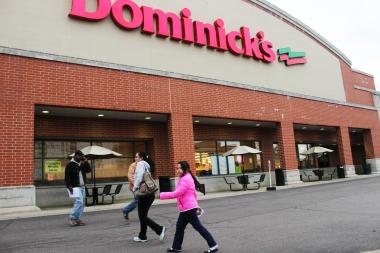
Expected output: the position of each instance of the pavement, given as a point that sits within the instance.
(32, 211)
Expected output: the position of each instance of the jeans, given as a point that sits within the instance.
(131, 206)
(78, 207)
(191, 217)
(144, 203)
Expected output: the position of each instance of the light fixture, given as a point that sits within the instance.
(229, 123)
(303, 128)
(45, 111)
(100, 115)
(148, 118)
(322, 129)
(354, 131)
(258, 125)
(196, 121)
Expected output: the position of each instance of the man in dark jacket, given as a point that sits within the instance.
(75, 178)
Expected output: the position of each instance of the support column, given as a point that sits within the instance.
(371, 139)
(287, 144)
(181, 140)
(345, 152)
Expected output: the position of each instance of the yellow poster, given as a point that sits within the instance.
(53, 166)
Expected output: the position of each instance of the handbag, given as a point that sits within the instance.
(148, 185)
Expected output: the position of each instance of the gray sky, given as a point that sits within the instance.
(351, 26)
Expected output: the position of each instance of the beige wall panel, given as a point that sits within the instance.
(44, 26)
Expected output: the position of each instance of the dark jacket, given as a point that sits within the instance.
(72, 173)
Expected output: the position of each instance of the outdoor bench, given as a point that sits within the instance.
(257, 180)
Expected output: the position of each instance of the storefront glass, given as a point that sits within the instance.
(51, 158)
(209, 158)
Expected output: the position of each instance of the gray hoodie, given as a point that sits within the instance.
(140, 169)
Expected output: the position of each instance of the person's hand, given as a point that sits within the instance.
(71, 190)
(131, 187)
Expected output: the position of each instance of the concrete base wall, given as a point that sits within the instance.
(375, 165)
(17, 196)
(349, 170)
(292, 177)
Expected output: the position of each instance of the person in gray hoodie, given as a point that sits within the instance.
(146, 201)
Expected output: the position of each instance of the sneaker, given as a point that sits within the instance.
(126, 216)
(162, 235)
(173, 250)
(138, 239)
(212, 249)
(73, 223)
(80, 223)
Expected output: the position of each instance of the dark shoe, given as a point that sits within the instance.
(80, 223)
(73, 223)
(173, 250)
(212, 249)
(126, 216)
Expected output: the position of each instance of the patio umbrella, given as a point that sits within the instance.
(317, 150)
(96, 152)
(242, 150)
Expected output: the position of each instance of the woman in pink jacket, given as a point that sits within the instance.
(187, 205)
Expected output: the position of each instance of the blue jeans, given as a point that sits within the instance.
(131, 206)
(78, 207)
(191, 217)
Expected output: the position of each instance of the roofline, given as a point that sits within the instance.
(363, 73)
(297, 23)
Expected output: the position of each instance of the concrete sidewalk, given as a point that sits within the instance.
(29, 212)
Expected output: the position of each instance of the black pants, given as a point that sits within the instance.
(191, 217)
(144, 203)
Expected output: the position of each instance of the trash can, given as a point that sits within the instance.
(340, 170)
(164, 184)
(280, 178)
(366, 169)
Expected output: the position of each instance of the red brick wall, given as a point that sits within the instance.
(351, 79)
(25, 82)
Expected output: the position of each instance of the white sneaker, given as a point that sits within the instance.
(137, 239)
(162, 235)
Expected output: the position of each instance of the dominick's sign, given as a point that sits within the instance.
(179, 27)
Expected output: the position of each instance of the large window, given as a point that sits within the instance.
(51, 158)
(209, 158)
(305, 161)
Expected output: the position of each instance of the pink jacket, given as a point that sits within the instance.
(185, 193)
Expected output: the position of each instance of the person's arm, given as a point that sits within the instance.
(180, 190)
(86, 168)
(68, 176)
(138, 175)
(131, 175)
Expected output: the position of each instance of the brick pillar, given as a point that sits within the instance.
(371, 139)
(345, 153)
(16, 153)
(287, 144)
(181, 140)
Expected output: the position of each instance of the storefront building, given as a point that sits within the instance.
(183, 81)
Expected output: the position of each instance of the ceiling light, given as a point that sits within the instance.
(100, 115)
(258, 125)
(148, 117)
(303, 128)
(354, 131)
(196, 121)
(229, 123)
(322, 129)
(45, 111)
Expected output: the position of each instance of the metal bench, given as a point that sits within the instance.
(256, 179)
(232, 181)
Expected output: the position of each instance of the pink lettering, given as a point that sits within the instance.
(118, 16)
(78, 10)
(232, 37)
